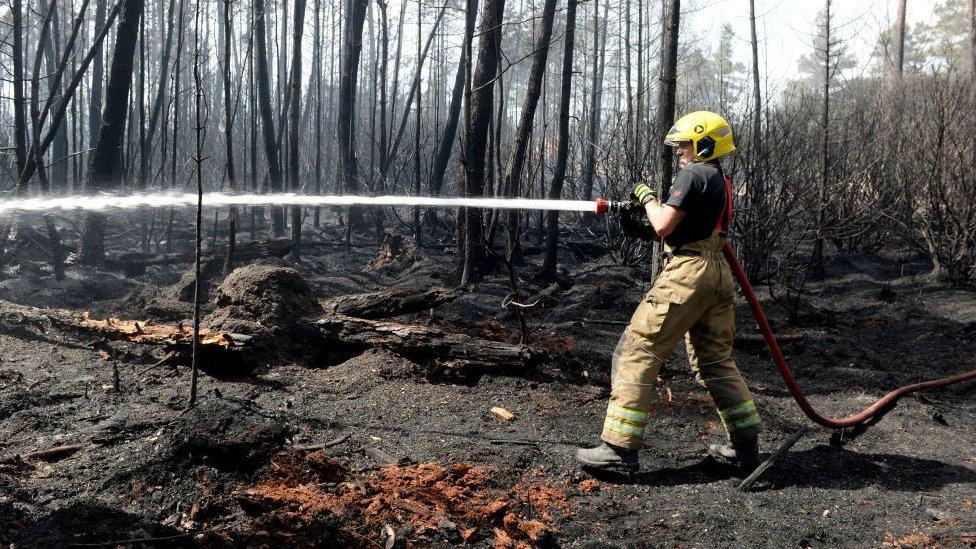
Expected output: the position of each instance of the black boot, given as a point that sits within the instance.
(744, 453)
(608, 457)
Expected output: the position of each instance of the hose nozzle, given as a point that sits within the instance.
(609, 206)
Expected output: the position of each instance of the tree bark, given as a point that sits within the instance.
(516, 157)
(317, 48)
(446, 144)
(20, 114)
(267, 117)
(229, 141)
(818, 244)
(163, 78)
(424, 345)
(667, 85)
(103, 167)
(900, 40)
(414, 90)
(346, 119)
(593, 127)
(562, 152)
(293, 129)
(98, 74)
(475, 258)
(395, 302)
(419, 118)
(59, 152)
(972, 38)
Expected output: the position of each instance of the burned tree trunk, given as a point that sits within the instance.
(267, 117)
(972, 38)
(446, 144)
(229, 141)
(562, 152)
(103, 167)
(163, 73)
(59, 157)
(593, 126)
(821, 207)
(346, 117)
(395, 302)
(20, 114)
(98, 74)
(900, 39)
(293, 119)
(424, 345)
(474, 259)
(516, 158)
(666, 91)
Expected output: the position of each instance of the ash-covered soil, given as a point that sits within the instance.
(314, 448)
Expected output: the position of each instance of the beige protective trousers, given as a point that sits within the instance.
(692, 298)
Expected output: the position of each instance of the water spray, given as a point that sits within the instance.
(633, 222)
(103, 202)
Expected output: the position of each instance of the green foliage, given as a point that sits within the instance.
(944, 43)
(710, 78)
(811, 66)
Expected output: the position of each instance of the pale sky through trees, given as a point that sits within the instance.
(787, 28)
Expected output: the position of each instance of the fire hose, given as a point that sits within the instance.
(872, 413)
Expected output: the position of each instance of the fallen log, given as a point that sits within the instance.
(426, 345)
(227, 353)
(395, 302)
(223, 353)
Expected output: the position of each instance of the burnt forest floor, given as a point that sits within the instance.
(413, 458)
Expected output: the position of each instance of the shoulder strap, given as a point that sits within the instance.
(724, 220)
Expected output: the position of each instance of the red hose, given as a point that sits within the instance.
(880, 407)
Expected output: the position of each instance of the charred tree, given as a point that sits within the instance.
(163, 79)
(317, 72)
(20, 114)
(900, 39)
(267, 116)
(346, 115)
(562, 151)
(391, 154)
(755, 250)
(103, 167)
(293, 129)
(516, 157)
(821, 206)
(416, 145)
(59, 152)
(98, 74)
(198, 160)
(446, 145)
(667, 85)
(382, 77)
(972, 37)
(474, 260)
(55, 110)
(593, 126)
(229, 140)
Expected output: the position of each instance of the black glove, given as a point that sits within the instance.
(634, 222)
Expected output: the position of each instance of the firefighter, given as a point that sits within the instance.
(691, 298)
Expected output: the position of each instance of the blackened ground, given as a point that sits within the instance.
(244, 467)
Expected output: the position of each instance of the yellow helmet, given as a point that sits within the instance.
(710, 135)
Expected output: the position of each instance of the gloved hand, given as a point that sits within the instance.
(643, 194)
(634, 222)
